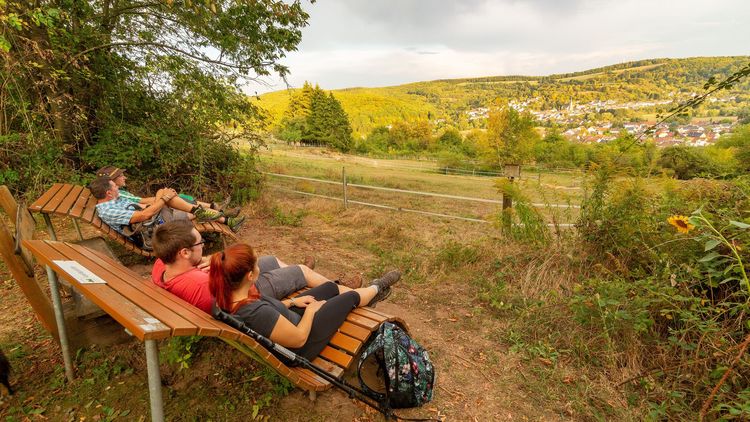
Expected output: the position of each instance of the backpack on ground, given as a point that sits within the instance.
(406, 367)
(142, 233)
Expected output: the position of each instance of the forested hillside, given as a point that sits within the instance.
(449, 101)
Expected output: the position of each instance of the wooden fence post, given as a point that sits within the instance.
(507, 199)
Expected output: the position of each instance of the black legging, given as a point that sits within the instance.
(329, 317)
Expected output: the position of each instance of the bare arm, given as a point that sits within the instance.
(160, 200)
(289, 335)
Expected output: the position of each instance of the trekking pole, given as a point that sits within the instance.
(351, 390)
(302, 361)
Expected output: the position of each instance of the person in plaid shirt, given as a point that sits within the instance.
(117, 212)
(118, 176)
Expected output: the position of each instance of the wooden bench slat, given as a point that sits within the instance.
(109, 272)
(131, 316)
(67, 203)
(346, 343)
(207, 325)
(336, 356)
(329, 367)
(355, 331)
(89, 211)
(362, 321)
(318, 383)
(368, 313)
(59, 197)
(46, 196)
(80, 206)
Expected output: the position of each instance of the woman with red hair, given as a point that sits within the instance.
(304, 323)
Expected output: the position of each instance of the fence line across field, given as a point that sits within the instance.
(438, 195)
(436, 168)
(388, 207)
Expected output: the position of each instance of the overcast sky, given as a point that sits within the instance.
(371, 43)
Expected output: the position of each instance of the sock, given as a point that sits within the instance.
(377, 289)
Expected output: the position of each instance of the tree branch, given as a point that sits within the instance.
(159, 45)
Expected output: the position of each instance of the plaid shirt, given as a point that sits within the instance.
(129, 196)
(115, 213)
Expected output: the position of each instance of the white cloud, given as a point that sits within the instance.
(388, 42)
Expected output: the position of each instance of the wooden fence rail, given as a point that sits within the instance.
(347, 201)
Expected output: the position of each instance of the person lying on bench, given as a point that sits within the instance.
(182, 269)
(117, 212)
(303, 324)
(118, 176)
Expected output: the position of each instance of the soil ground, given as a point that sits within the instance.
(478, 377)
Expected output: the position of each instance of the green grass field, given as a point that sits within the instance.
(541, 188)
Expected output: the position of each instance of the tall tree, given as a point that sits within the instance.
(83, 72)
(510, 136)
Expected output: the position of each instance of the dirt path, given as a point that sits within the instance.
(478, 378)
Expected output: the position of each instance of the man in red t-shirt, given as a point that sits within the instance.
(182, 269)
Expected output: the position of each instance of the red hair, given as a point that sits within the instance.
(228, 268)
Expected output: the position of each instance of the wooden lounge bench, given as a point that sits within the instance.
(76, 202)
(151, 313)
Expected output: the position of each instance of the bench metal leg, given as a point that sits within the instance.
(52, 235)
(78, 228)
(60, 320)
(50, 227)
(154, 381)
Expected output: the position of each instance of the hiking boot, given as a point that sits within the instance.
(219, 206)
(384, 284)
(203, 215)
(309, 262)
(232, 212)
(235, 223)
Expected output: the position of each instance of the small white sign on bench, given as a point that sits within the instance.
(82, 274)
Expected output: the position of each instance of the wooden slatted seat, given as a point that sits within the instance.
(151, 313)
(76, 202)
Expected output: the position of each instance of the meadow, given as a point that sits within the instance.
(565, 188)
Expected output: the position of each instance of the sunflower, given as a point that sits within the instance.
(681, 223)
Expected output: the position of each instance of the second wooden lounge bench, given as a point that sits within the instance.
(150, 313)
(76, 202)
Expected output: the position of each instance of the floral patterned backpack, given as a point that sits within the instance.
(406, 366)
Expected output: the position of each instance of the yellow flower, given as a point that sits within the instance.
(681, 223)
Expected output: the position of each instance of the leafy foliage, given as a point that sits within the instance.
(673, 300)
(150, 86)
(446, 102)
(314, 117)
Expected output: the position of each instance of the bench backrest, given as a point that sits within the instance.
(150, 312)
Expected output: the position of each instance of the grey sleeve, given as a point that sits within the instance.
(260, 316)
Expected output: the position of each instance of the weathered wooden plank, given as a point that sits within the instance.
(67, 203)
(336, 356)
(34, 293)
(59, 197)
(46, 196)
(80, 205)
(129, 315)
(109, 271)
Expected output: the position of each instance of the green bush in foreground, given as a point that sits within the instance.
(672, 293)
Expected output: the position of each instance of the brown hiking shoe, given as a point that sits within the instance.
(384, 284)
(232, 212)
(354, 282)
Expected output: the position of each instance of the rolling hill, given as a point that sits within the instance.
(448, 101)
